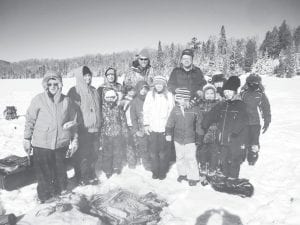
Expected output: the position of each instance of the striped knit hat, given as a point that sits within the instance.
(182, 94)
(159, 80)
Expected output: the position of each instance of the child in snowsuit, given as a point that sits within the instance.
(113, 133)
(182, 124)
(256, 100)
(208, 149)
(231, 119)
(136, 114)
(157, 107)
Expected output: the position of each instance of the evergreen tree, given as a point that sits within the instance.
(160, 59)
(296, 38)
(285, 36)
(194, 44)
(250, 55)
(222, 43)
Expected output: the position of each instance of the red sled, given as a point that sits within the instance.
(16, 172)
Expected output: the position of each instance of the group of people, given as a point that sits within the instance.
(209, 127)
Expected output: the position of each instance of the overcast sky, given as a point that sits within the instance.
(69, 28)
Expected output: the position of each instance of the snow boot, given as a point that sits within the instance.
(181, 178)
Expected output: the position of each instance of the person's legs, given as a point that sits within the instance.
(42, 161)
(130, 150)
(142, 148)
(164, 155)
(191, 162)
(60, 180)
(225, 160)
(117, 148)
(107, 153)
(153, 150)
(93, 156)
(180, 162)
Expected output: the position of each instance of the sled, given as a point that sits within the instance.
(238, 186)
(16, 172)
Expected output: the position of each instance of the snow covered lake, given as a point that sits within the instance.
(276, 176)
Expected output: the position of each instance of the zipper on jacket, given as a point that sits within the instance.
(225, 117)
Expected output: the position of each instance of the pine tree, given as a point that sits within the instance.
(194, 44)
(285, 36)
(250, 55)
(222, 43)
(160, 59)
(296, 38)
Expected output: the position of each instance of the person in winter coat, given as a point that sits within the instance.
(113, 134)
(111, 83)
(157, 107)
(49, 127)
(231, 119)
(142, 71)
(182, 124)
(256, 100)
(136, 115)
(187, 75)
(88, 102)
(209, 154)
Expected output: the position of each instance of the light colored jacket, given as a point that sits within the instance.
(156, 110)
(45, 119)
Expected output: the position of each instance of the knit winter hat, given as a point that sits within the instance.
(233, 83)
(253, 78)
(189, 52)
(110, 95)
(159, 80)
(182, 94)
(51, 75)
(86, 70)
(209, 86)
(144, 53)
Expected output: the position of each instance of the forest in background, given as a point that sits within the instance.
(278, 54)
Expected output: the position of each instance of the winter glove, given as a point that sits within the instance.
(73, 147)
(265, 127)
(168, 138)
(27, 146)
(147, 129)
(69, 124)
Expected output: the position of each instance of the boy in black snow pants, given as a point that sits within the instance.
(231, 119)
(256, 100)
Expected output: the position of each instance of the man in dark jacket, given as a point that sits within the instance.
(256, 100)
(231, 118)
(187, 75)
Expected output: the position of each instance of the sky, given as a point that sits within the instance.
(70, 28)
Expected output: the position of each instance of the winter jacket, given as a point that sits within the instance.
(231, 118)
(183, 124)
(204, 110)
(114, 121)
(137, 74)
(193, 80)
(88, 102)
(45, 119)
(256, 100)
(157, 108)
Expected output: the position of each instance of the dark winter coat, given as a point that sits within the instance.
(193, 80)
(137, 74)
(231, 118)
(256, 100)
(136, 114)
(184, 125)
(211, 133)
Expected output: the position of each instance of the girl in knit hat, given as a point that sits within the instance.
(182, 124)
(48, 137)
(231, 119)
(208, 155)
(157, 107)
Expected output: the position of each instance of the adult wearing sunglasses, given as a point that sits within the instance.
(140, 70)
(50, 126)
(88, 101)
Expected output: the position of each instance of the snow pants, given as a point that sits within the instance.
(85, 158)
(159, 154)
(186, 161)
(231, 159)
(50, 171)
(112, 154)
(252, 135)
(209, 157)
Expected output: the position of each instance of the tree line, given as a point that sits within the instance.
(277, 54)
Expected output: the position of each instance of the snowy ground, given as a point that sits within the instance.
(276, 176)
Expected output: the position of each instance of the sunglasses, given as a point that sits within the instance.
(143, 59)
(52, 84)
